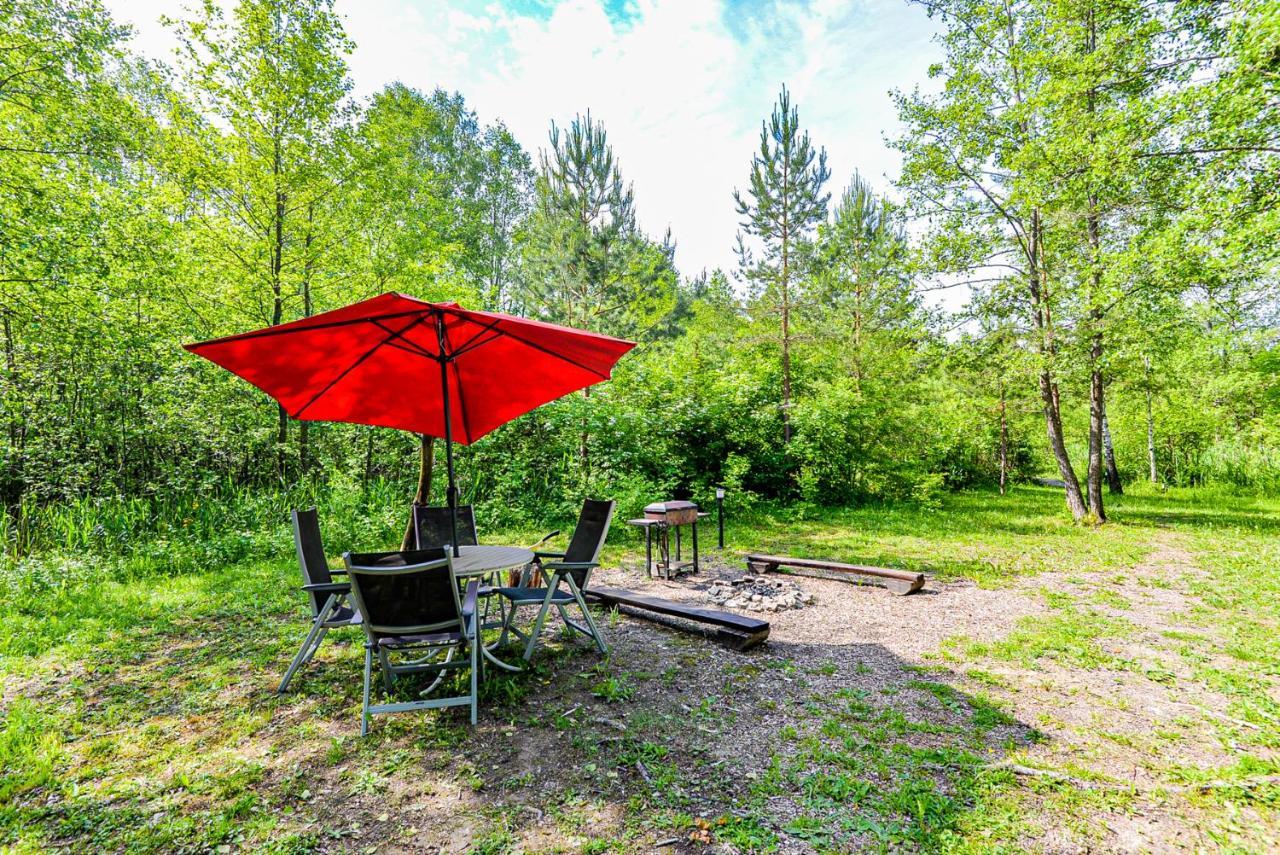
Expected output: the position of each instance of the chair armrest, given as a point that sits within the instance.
(537, 554)
(328, 588)
(469, 600)
(555, 533)
(570, 565)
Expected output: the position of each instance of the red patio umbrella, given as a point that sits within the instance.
(432, 368)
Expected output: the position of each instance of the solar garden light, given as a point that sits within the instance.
(720, 513)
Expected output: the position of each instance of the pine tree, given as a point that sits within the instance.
(587, 264)
(857, 276)
(785, 201)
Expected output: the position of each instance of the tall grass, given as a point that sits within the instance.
(55, 549)
(1247, 465)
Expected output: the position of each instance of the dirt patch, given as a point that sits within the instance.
(851, 614)
(804, 742)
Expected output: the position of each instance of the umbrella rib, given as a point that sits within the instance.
(406, 345)
(551, 352)
(462, 401)
(279, 330)
(470, 344)
(413, 350)
(476, 342)
(353, 366)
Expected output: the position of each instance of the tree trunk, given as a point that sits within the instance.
(1114, 484)
(786, 343)
(1043, 311)
(368, 459)
(1053, 424)
(426, 465)
(277, 302)
(304, 429)
(1093, 479)
(1004, 442)
(1151, 427)
(14, 476)
(584, 446)
(1097, 402)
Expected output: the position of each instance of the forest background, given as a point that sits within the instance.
(1101, 175)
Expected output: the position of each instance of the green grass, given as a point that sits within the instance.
(138, 654)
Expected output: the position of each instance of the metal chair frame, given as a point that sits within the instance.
(574, 574)
(430, 645)
(332, 612)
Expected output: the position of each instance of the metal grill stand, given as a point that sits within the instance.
(658, 521)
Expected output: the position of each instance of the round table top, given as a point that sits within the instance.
(474, 560)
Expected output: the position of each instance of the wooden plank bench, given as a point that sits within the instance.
(736, 631)
(901, 582)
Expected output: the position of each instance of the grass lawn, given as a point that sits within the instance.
(1126, 696)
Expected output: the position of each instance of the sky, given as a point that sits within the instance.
(680, 85)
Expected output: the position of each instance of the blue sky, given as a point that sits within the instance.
(681, 85)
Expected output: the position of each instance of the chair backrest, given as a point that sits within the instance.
(431, 526)
(311, 560)
(589, 536)
(400, 593)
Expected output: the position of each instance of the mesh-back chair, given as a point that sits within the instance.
(431, 526)
(415, 622)
(573, 567)
(329, 609)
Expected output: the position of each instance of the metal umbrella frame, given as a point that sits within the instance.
(354, 365)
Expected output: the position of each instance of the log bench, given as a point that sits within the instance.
(736, 631)
(900, 582)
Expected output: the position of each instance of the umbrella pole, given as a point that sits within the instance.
(451, 493)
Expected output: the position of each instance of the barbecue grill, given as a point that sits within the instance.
(662, 518)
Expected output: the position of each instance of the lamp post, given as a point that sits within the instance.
(720, 513)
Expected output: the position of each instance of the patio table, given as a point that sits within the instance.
(483, 561)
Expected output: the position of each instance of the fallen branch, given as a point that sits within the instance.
(1243, 783)
(1031, 772)
(616, 725)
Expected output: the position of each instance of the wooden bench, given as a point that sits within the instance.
(736, 631)
(896, 581)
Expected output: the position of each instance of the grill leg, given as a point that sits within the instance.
(648, 550)
(677, 543)
(695, 545)
(666, 552)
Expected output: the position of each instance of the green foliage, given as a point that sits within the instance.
(145, 207)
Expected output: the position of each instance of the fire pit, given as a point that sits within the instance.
(759, 594)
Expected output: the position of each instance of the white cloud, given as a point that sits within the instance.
(681, 85)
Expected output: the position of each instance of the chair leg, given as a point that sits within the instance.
(387, 676)
(309, 645)
(476, 641)
(315, 645)
(536, 632)
(368, 678)
(586, 613)
(507, 618)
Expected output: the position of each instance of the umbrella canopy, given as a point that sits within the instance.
(432, 368)
(400, 362)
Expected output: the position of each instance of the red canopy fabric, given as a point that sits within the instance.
(377, 362)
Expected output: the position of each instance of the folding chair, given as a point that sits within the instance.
(414, 621)
(573, 567)
(431, 526)
(327, 597)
